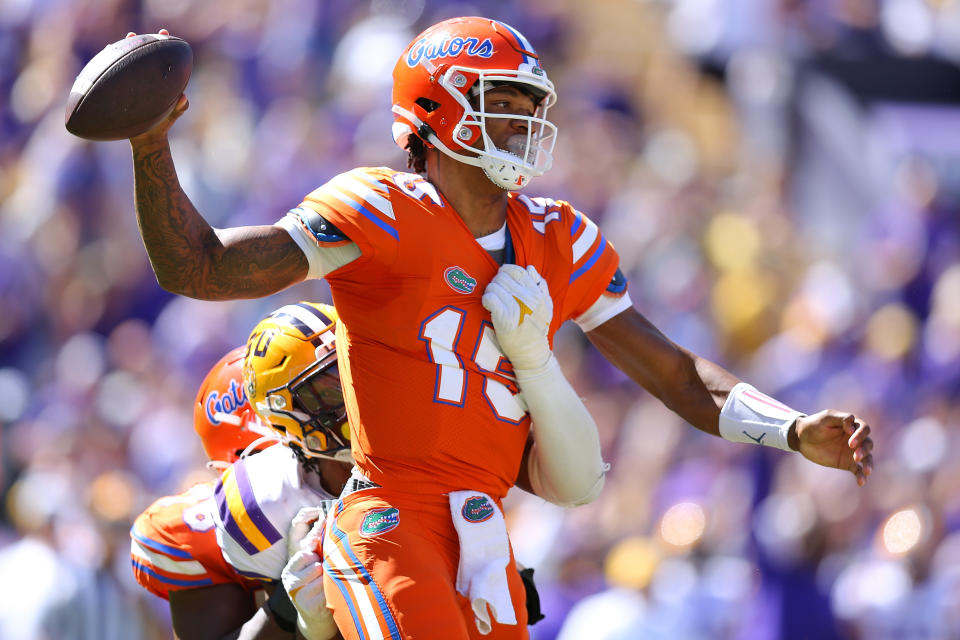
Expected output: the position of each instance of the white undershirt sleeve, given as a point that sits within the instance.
(565, 464)
(322, 260)
(602, 310)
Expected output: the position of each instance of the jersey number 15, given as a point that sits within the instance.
(442, 332)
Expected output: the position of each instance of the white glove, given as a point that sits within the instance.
(302, 576)
(520, 305)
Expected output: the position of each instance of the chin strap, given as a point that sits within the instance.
(313, 461)
(274, 438)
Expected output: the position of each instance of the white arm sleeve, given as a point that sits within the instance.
(565, 464)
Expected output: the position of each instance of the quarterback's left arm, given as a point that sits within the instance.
(563, 464)
(715, 401)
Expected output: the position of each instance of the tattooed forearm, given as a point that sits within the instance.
(176, 237)
(256, 262)
(189, 256)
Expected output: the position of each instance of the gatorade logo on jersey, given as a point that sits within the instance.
(459, 280)
(379, 521)
(477, 509)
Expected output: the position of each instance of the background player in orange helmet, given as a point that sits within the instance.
(222, 416)
(173, 546)
(450, 288)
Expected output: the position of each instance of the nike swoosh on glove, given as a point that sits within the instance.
(302, 576)
(520, 305)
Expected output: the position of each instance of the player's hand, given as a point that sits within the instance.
(302, 576)
(301, 527)
(520, 305)
(839, 440)
(159, 131)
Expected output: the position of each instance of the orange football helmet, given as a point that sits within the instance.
(222, 415)
(446, 70)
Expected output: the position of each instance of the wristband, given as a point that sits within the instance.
(282, 610)
(752, 417)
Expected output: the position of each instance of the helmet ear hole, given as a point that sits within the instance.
(427, 104)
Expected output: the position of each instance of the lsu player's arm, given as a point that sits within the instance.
(216, 612)
(219, 611)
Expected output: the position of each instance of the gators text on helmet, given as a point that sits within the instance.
(222, 416)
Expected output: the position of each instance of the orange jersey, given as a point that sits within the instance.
(432, 401)
(173, 545)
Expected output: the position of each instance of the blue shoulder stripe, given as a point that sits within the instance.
(592, 261)
(369, 215)
(201, 582)
(577, 221)
(159, 546)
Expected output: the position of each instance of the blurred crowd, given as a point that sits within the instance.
(781, 179)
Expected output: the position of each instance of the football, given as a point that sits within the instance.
(128, 87)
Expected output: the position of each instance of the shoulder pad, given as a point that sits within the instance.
(172, 542)
(361, 189)
(257, 498)
(543, 211)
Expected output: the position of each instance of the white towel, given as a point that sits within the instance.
(484, 556)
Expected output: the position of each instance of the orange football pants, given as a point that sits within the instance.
(390, 571)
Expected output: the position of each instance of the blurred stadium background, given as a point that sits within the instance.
(780, 177)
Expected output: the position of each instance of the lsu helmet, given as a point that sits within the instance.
(291, 377)
(445, 71)
(222, 416)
